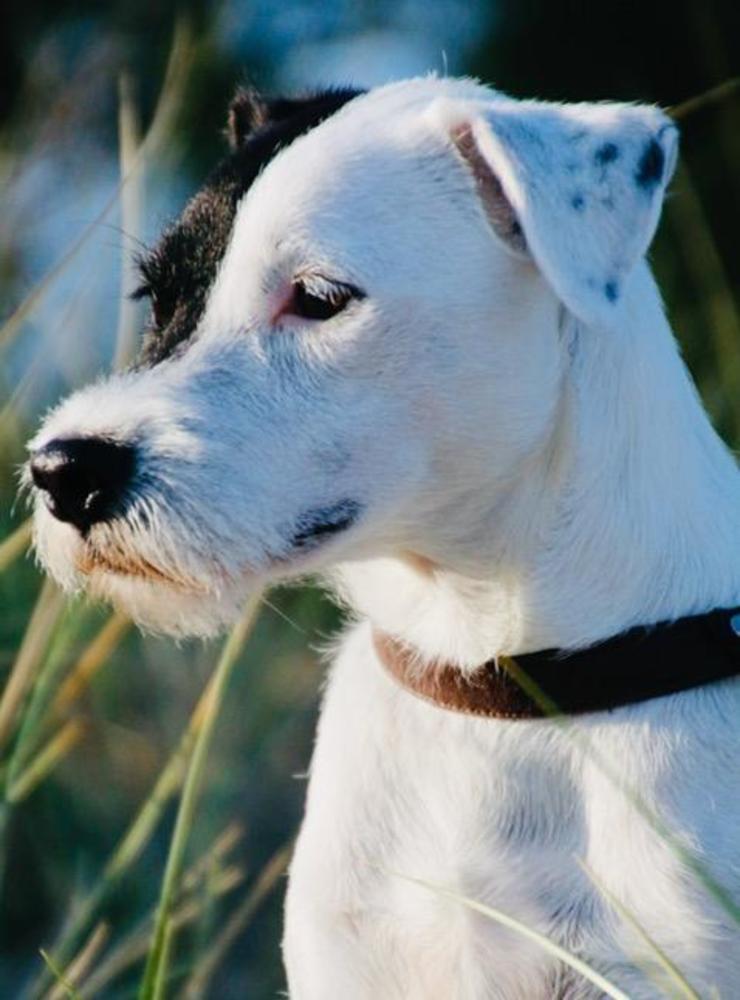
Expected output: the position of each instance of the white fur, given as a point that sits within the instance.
(535, 470)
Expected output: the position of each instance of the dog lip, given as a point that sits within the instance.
(93, 560)
(316, 525)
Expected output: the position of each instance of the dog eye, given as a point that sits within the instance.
(319, 299)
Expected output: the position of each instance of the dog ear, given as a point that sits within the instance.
(249, 111)
(579, 187)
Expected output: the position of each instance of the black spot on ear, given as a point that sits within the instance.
(650, 168)
(611, 291)
(179, 272)
(578, 202)
(606, 154)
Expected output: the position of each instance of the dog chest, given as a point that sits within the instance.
(402, 790)
(497, 813)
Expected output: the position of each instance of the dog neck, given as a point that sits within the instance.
(629, 514)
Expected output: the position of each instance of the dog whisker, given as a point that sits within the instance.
(282, 614)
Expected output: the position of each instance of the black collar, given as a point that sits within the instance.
(645, 662)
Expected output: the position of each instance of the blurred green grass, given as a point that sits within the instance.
(80, 760)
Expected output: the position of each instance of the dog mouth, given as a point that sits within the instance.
(121, 550)
(93, 560)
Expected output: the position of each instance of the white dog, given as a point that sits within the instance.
(409, 339)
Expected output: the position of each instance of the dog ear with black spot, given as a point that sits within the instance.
(578, 187)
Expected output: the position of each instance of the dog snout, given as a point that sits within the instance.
(84, 480)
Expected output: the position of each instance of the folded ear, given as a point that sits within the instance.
(250, 111)
(579, 187)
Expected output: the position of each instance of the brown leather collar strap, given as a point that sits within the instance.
(643, 663)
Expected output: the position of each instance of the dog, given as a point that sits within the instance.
(408, 340)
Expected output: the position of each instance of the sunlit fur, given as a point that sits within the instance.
(534, 470)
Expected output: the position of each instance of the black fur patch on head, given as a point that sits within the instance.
(650, 167)
(179, 272)
(249, 111)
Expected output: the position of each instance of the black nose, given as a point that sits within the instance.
(85, 479)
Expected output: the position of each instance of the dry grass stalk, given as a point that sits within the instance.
(155, 973)
(80, 965)
(197, 986)
(41, 625)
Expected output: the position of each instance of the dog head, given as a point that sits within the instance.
(356, 340)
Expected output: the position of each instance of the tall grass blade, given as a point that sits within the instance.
(553, 949)
(157, 962)
(67, 989)
(133, 841)
(80, 965)
(713, 287)
(46, 760)
(91, 660)
(14, 323)
(673, 974)
(162, 969)
(197, 987)
(41, 625)
(213, 857)
(135, 946)
(15, 544)
(129, 140)
(706, 100)
(176, 74)
(35, 724)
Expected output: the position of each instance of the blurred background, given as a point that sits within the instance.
(93, 92)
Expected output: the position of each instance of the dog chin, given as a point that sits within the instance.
(162, 608)
(157, 600)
